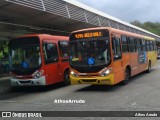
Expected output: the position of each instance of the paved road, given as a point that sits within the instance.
(142, 94)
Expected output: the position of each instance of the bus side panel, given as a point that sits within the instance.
(125, 62)
(143, 67)
(52, 73)
(153, 57)
(64, 65)
(134, 63)
(63, 60)
(118, 71)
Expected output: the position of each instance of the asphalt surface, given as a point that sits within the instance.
(141, 94)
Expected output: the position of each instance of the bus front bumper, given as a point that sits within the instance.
(28, 82)
(108, 80)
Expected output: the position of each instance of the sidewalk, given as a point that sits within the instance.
(4, 78)
(4, 84)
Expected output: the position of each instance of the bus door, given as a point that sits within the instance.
(117, 58)
(64, 59)
(51, 61)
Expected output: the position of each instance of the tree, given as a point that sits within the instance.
(150, 26)
(137, 23)
(3, 49)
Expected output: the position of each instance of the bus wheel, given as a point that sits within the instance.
(149, 67)
(127, 76)
(66, 78)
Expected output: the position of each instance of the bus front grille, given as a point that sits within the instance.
(25, 82)
(91, 80)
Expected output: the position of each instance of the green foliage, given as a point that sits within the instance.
(150, 26)
(3, 49)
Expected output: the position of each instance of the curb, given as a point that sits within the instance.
(4, 78)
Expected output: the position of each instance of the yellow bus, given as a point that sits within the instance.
(107, 56)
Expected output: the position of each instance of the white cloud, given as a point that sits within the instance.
(128, 10)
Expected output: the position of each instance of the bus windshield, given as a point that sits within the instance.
(25, 56)
(91, 53)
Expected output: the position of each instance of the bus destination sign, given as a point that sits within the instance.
(88, 35)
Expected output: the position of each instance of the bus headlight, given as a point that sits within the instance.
(74, 74)
(105, 73)
(38, 74)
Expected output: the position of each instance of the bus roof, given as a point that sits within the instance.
(96, 28)
(45, 36)
(116, 31)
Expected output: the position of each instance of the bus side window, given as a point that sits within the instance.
(132, 45)
(148, 45)
(64, 47)
(151, 45)
(138, 44)
(143, 45)
(50, 53)
(116, 48)
(124, 44)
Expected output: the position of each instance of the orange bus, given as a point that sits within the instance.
(107, 56)
(39, 60)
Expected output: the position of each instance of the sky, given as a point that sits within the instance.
(128, 10)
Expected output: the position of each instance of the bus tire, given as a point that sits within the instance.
(66, 78)
(149, 67)
(127, 77)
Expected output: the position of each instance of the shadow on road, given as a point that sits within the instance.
(32, 89)
(100, 88)
(108, 88)
(22, 91)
